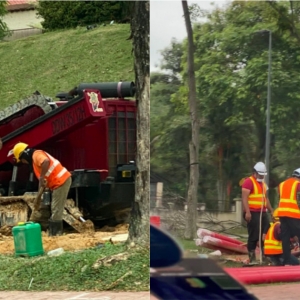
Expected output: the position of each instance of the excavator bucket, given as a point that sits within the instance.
(14, 209)
(80, 226)
(12, 213)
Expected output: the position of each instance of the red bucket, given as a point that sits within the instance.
(155, 220)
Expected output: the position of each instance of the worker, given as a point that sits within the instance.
(51, 174)
(289, 213)
(273, 244)
(255, 200)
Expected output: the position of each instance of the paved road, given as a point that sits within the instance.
(74, 295)
(285, 291)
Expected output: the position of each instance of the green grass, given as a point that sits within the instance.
(73, 271)
(238, 231)
(187, 244)
(190, 246)
(58, 61)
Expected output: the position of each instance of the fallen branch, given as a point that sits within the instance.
(118, 280)
(174, 221)
(110, 260)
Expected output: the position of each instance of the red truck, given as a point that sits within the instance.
(92, 131)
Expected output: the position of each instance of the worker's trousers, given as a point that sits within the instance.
(290, 227)
(278, 260)
(253, 229)
(59, 197)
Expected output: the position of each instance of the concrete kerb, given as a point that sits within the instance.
(22, 295)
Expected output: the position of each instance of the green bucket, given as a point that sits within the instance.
(28, 239)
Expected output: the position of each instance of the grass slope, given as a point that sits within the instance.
(58, 61)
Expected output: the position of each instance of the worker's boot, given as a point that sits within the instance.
(265, 260)
(252, 257)
(55, 227)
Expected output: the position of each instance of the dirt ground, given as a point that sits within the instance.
(69, 241)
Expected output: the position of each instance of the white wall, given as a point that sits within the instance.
(21, 19)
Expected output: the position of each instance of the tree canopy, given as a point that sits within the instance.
(231, 65)
(70, 14)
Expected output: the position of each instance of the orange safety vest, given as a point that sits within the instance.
(271, 245)
(257, 196)
(56, 174)
(288, 206)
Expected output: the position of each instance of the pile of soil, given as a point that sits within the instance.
(69, 241)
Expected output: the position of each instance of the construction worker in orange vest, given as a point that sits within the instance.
(273, 244)
(255, 200)
(289, 213)
(51, 174)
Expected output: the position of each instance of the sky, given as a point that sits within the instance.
(167, 22)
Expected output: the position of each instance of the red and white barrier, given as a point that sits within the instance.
(201, 233)
(262, 275)
(200, 243)
(216, 241)
(223, 244)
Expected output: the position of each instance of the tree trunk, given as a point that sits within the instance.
(139, 220)
(221, 193)
(190, 229)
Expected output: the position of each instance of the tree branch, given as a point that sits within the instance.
(292, 28)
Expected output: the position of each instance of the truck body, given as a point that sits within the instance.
(91, 130)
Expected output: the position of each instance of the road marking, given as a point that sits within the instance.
(81, 297)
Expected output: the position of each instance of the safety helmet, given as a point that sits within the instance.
(18, 149)
(296, 173)
(260, 168)
(275, 214)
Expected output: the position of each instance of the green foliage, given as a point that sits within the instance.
(169, 131)
(240, 91)
(74, 271)
(3, 26)
(196, 12)
(58, 61)
(70, 14)
(172, 58)
(231, 65)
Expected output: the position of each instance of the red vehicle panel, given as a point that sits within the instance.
(85, 132)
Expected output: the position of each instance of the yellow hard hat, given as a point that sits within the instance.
(18, 149)
(275, 214)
